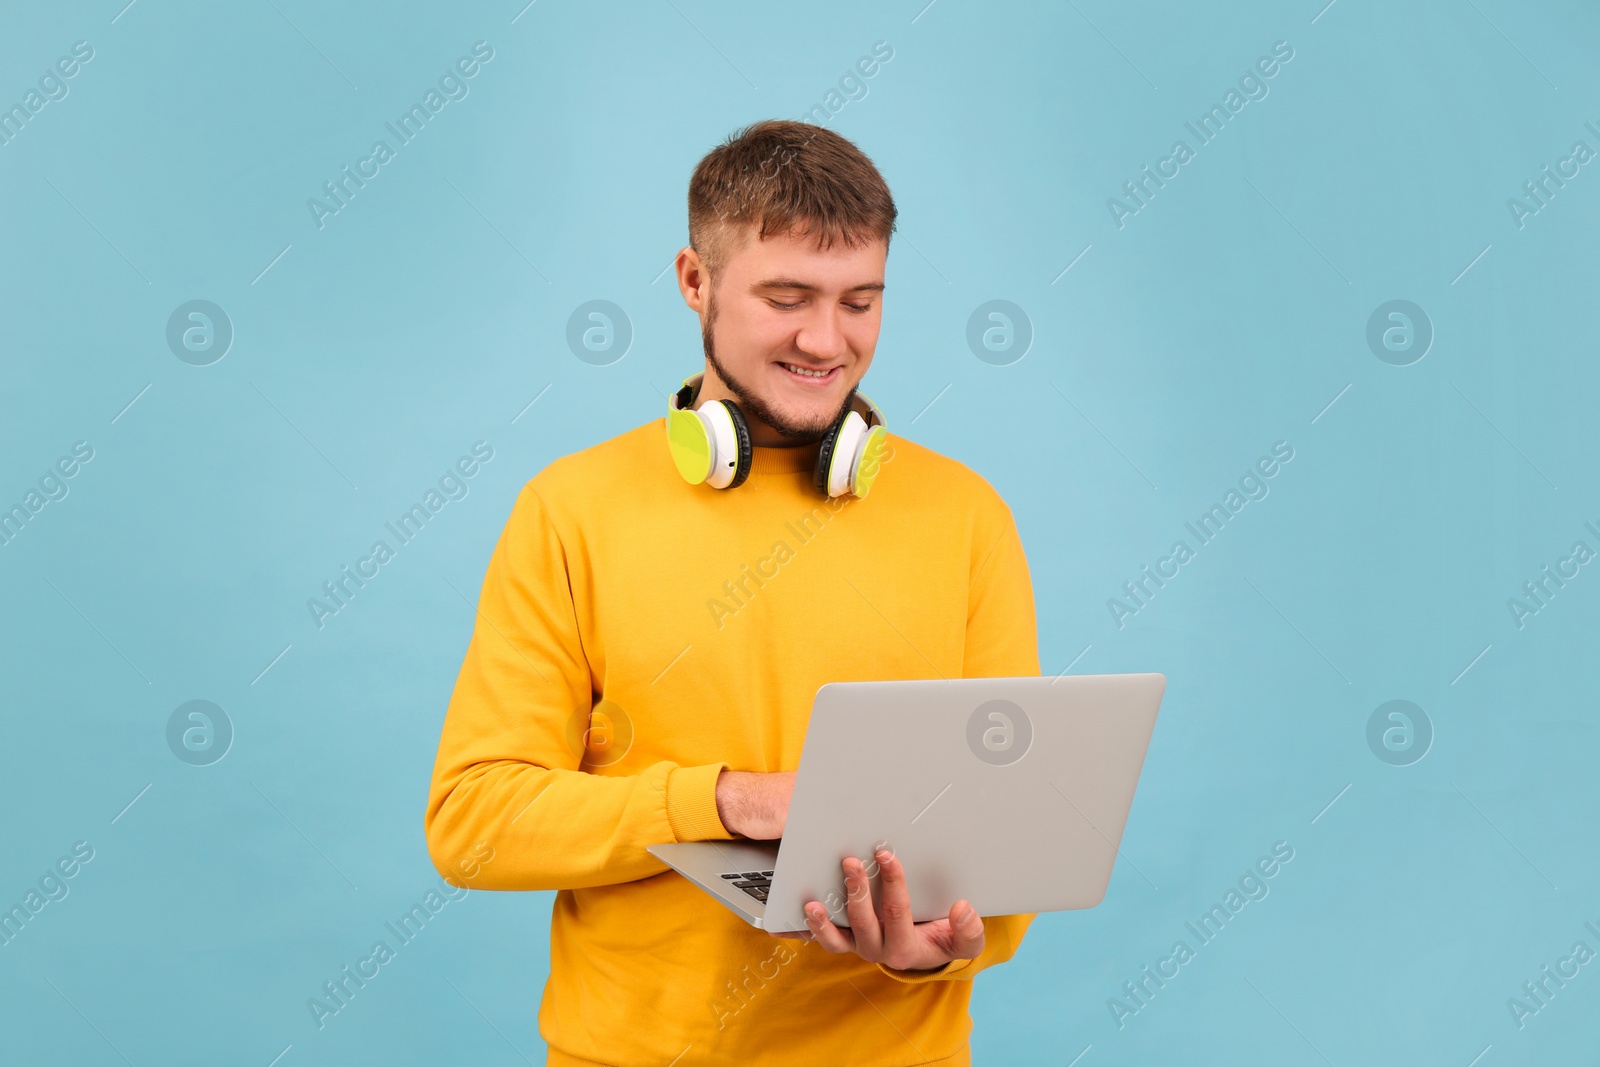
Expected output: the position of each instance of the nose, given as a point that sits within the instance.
(820, 336)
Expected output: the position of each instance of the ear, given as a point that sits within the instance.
(694, 280)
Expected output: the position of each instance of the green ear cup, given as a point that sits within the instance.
(866, 471)
(689, 445)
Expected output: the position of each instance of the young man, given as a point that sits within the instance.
(647, 651)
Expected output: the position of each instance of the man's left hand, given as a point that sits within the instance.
(887, 935)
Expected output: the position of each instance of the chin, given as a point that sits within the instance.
(801, 420)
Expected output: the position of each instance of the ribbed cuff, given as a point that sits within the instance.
(925, 976)
(692, 803)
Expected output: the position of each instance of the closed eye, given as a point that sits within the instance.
(857, 308)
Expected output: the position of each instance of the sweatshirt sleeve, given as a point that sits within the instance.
(507, 772)
(1002, 642)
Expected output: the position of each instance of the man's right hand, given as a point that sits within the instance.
(754, 805)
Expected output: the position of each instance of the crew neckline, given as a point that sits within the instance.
(785, 460)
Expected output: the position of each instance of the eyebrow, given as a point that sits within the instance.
(790, 283)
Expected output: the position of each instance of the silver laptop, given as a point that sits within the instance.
(1011, 793)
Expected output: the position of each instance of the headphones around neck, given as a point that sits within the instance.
(711, 443)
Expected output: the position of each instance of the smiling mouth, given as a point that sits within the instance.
(810, 375)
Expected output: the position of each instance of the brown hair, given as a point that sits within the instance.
(786, 176)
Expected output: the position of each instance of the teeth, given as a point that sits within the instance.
(806, 373)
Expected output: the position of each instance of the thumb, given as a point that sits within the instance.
(966, 930)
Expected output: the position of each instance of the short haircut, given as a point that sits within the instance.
(786, 176)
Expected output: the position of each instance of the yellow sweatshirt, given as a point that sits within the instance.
(666, 631)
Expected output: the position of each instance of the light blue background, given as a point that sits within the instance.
(1223, 317)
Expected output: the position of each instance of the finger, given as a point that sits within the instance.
(824, 932)
(894, 906)
(966, 931)
(864, 927)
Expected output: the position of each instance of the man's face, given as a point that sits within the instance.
(781, 308)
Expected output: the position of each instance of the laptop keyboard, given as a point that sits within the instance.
(756, 883)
